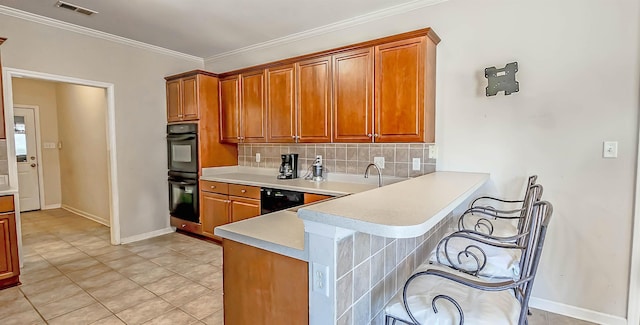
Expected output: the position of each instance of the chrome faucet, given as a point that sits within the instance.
(366, 173)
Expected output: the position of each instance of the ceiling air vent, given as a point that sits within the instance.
(72, 7)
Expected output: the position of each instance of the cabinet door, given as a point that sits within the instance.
(173, 101)
(242, 208)
(314, 100)
(214, 212)
(400, 90)
(253, 110)
(353, 96)
(9, 265)
(281, 107)
(229, 109)
(190, 107)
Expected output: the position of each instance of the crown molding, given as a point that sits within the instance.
(333, 27)
(8, 11)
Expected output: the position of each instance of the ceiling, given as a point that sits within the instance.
(206, 28)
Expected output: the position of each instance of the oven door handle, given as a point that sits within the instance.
(183, 182)
(181, 137)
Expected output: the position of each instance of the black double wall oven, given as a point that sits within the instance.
(182, 149)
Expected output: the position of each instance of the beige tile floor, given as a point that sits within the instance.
(73, 276)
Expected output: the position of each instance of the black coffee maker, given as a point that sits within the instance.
(288, 166)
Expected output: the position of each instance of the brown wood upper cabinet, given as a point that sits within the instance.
(400, 72)
(376, 91)
(242, 107)
(313, 84)
(230, 109)
(182, 99)
(281, 105)
(353, 96)
(299, 101)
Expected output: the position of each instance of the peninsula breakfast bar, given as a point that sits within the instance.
(338, 259)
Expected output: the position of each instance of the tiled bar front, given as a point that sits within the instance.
(365, 271)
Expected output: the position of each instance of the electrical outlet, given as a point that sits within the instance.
(320, 278)
(416, 163)
(433, 152)
(257, 157)
(319, 159)
(379, 161)
(610, 149)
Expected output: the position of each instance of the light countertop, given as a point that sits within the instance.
(401, 210)
(267, 178)
(281, 232)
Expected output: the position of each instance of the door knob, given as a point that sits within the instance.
(33, 165)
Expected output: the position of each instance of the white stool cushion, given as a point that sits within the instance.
(502, 263)
(479, 307)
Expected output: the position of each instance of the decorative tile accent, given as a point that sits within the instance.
(345, 256)
(344, 158)
(381, 267)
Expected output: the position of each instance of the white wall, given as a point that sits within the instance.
(140, 111)
(43, 94)
(578, 87)
(84, 160)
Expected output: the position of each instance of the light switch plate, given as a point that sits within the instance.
(610, 149)
(433, 152)
(379, 161)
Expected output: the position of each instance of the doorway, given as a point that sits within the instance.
(27, 157)
(9, 74)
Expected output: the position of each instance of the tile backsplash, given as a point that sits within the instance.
(349, 158)
(371, 270)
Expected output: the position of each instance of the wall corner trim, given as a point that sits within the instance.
(87, 215)
(147, 235)
(576, 312)
(8, 11)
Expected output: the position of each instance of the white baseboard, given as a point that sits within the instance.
(576, 312)
(86, 215)
(147, 235)
(52, 206)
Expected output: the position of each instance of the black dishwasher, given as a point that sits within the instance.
(272, 199)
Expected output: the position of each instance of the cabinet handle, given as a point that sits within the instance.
(184, 225)
(213, 186)
(243, 191)
(369, 135)
(376, 135)
(294, 137)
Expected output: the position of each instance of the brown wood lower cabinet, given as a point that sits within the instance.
(215, 212)
(311, 197)
(262, 287)
(243, 208)
(9, 263)
(222, 203)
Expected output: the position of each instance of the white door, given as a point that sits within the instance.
(25, 137)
